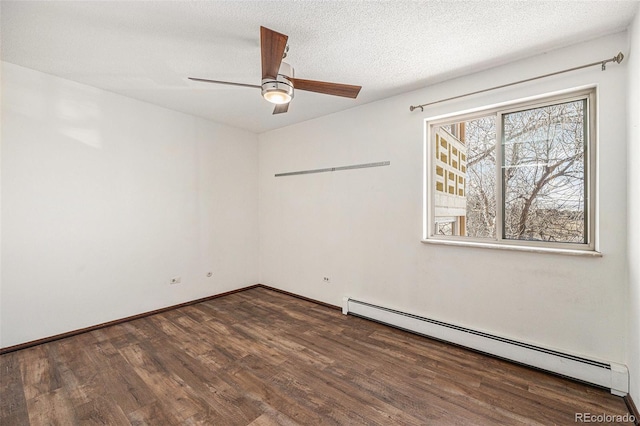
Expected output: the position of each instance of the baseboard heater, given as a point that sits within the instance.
(605, 374)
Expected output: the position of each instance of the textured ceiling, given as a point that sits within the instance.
(146, 50)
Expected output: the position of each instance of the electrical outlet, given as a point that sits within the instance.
(175, 280)
(326, 280)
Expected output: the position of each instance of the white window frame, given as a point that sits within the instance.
(429, 234)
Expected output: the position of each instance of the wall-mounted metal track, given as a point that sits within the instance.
(335, 169)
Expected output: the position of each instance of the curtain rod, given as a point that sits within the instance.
(618, 58)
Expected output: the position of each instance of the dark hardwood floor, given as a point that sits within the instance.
(260, 357)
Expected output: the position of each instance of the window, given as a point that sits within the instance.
(519, 175)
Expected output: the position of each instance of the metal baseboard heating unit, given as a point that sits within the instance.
(605, 374)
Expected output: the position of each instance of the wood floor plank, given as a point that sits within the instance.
(166, 387)
(267, 394)
(116, 379)
(205, 388)
(51, 408)
(100, 411)
(13, 404)
(151, 415)
(38, 374)
(261, 357)
(273, 419)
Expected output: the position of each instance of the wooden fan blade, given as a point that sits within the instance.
(280, 108)
(272, 45)
(346, 90)
(224, 82)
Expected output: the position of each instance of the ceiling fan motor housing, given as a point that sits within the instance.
(280, 90)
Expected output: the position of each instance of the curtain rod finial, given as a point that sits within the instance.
(617, 59)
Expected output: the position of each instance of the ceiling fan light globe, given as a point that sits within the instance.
(277, 97)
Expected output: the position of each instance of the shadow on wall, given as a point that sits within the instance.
(39, 101)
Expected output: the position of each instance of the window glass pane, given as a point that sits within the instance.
(543, 173)
(444, 228)
(464, 178)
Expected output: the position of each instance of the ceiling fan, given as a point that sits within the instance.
(278, 81)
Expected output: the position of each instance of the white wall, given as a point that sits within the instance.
(1, 92)
(362, 228)
(105, 198)
(633, 160)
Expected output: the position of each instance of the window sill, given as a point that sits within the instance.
(569, 252)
